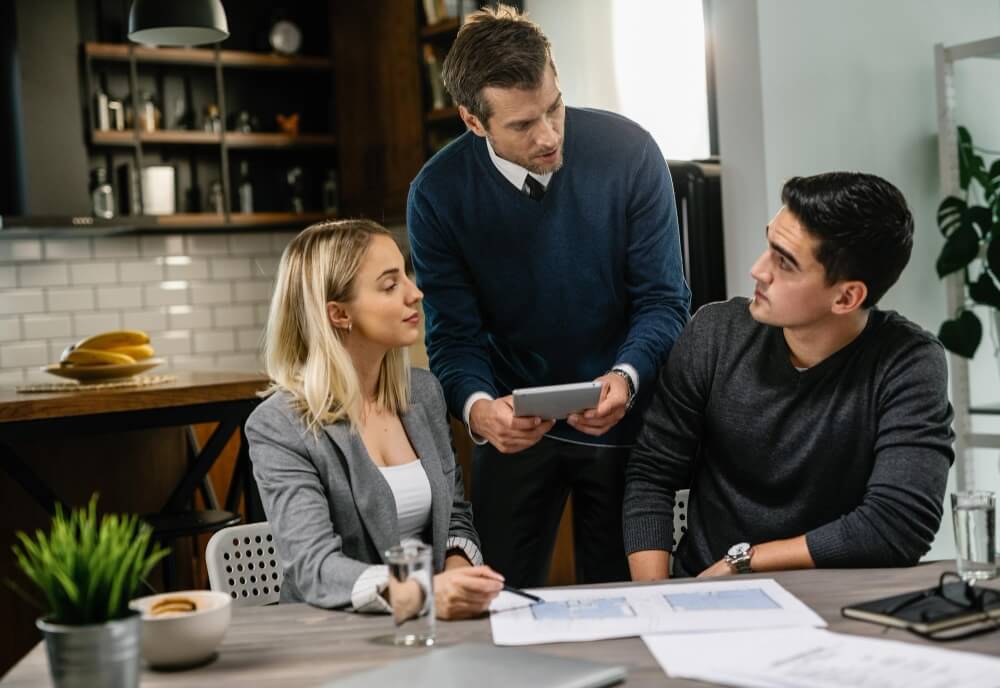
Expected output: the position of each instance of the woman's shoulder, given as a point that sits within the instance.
(424, 387)
(277, 412)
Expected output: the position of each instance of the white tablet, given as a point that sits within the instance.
(556, 401)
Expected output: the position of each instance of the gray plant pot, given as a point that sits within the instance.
(104, 655)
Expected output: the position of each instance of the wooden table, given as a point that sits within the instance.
(193, 397)
(287, 646)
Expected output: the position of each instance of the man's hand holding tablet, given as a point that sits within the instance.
(610, 409)
(495, 421)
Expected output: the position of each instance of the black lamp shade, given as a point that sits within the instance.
(177, 22)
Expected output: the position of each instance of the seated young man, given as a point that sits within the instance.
(813, 429)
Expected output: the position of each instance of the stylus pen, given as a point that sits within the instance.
(522, 593)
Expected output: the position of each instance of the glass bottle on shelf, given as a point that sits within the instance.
(213, 121)
(245, 188)
(102, 196)
(149, 113)
(216, 200)
(330, 192)
(295, 188)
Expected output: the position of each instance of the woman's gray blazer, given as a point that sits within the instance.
(331, 511)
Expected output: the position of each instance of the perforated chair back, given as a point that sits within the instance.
(243, 562)
(680, 514)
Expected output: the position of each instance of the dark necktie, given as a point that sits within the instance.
(533, 188)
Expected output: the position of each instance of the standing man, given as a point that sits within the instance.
(545, 241)
(813, 429)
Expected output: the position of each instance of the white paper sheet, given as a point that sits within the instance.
(570, 615)
(816, 658)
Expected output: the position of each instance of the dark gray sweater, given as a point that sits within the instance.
(853, 452)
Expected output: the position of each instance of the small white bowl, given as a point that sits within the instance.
(182, 638)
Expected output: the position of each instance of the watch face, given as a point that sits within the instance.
(738, 550)
(285, 37)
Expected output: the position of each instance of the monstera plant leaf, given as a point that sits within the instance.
(962, 335)
(959, 250)
(984, 291)
(993, 251)
(970, 165)
(949, 215)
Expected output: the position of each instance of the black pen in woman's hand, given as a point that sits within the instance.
(522, 593)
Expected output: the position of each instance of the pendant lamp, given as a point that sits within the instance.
(177, 22)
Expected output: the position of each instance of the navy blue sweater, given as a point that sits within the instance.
(519, 292)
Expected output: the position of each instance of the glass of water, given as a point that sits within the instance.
(411, 593)
(974, 516)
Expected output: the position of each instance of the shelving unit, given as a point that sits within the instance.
(173, 144)
(440, 124)
(945, 58)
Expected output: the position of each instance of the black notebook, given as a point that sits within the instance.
(934, 611)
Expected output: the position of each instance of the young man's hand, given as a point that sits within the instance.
(495, 421)
(610, 409)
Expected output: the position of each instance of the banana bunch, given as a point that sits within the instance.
(121, 347)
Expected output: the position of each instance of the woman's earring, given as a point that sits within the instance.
(349, 325)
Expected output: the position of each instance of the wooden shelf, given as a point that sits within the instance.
(446, 114)
(179, 137)
(215, 220)
(119, 52)
(440, 28)
(274, 140)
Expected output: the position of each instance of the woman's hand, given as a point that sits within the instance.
(465, 592)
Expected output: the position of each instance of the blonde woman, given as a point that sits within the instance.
(352, 450)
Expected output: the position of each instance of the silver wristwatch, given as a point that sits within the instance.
(738, 557)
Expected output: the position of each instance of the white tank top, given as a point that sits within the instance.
(412, 492)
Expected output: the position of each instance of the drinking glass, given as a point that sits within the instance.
(411, 593)
(974, 516)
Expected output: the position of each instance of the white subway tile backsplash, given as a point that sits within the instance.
(230, 268)
(43, 275)
(21, 300)
(211, 292)
(140, 271)
(203, 362)
(260, 312)
(35, 375)
(87, 324)
(233, 316)
(47, 326)
(13, 250)
(116, 247)
(189, 317)
(189, 269)
(8, 276)
(166, 293)
(244, 363)
(250, 339)
(279, 240)
(94, 273)
(74, 299)
(254, 291)
(248, 244)
(10, 329)
(23, 354)
(12, 377)
(152, 320)
(64, 249)
(129, 296)
(152, 246)
(265, 267)
(57, 346)
(207, 245)
(172, 342)
(212, 341)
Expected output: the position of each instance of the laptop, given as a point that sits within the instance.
(486, 666)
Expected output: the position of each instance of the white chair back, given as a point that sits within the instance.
(680, 514)
(243, 562)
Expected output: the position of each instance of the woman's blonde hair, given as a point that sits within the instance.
(303, 351)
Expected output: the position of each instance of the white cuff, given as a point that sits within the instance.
(630, 371)
(366, 595)
(467, 409)
(468, 547)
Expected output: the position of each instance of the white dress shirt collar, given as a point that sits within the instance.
(513, 172)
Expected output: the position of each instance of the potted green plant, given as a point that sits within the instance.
(86, 571)
(970, 223)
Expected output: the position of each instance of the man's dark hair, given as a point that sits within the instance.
(496, 47)
(863, 225)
